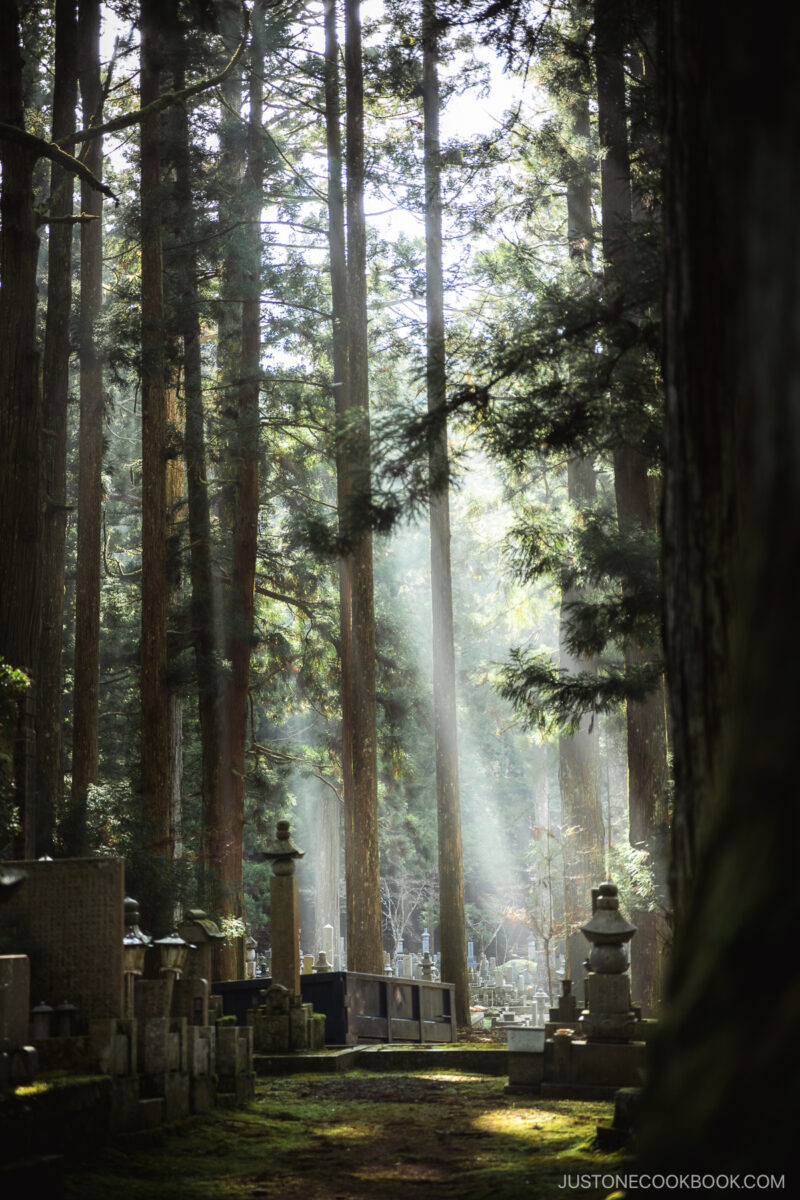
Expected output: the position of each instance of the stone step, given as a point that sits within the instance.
(405, 1057)
(151, 1112)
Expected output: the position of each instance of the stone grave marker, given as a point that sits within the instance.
(69, 920)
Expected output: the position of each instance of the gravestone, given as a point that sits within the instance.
(284, 910)
(69, 920)
(327, 942)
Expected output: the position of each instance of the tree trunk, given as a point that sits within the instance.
(49, 674)
(364, 939)
(338, 272)
(731, 547)
(646, 720)
(583, 835)
(211, 608)
(205, 606)
(227, 831)
(582, 831)
(86, 695)
(154, 689)
(448, 799)
(20, 397)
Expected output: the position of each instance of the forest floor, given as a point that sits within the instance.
(431, 1135)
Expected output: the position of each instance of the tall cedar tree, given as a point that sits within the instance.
(242, 375)
(448, 799)
(364, 941)
(338, 272)
(86, 692)
(154, 687)
(55, 374)
(582, 829)
(636, 509)
(20, 400)
(204, 582)
(731, 548)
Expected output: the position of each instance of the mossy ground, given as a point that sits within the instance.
(362, 1137)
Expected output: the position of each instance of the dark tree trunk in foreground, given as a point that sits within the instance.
(721, 1069)
(86, 694)
(20, 396)
(49, 675)
(364, 940)
(448, 798)
(154, 689)
(646, 719)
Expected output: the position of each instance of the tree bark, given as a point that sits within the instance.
(731, 546)
(227, 829)
(49, 673)
(205, 604)
(364, 938)
(448, 798)
(21, 491)
(646, 719)
(338, 273)
(154, 689)
(582, 831)
(86, 696)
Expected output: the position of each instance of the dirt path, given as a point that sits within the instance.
(363, 1137)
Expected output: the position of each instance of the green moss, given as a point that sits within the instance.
(363, 1135)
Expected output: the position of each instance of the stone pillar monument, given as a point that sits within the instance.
(284, 911)
(608, 1015)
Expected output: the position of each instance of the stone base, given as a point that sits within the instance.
(235, 1090)
(124, 1116)
(570, 1067)
(202, 1093)
(173, 1088)
(577, 1091)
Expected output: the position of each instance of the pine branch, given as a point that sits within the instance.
(165, 100)
(52, 151)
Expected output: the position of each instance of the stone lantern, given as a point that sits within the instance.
(608, 992)
(200, 931)
(172, 952)
(134, 949)
(284, 909)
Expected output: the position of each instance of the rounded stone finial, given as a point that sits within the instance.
(608, 928)
(281, 851)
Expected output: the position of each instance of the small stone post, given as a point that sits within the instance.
(285, 911)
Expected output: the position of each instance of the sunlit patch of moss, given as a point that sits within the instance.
(346, 1132)
(452, 1077)
(32, 1089)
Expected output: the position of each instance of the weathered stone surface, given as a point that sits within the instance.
(112, 1046)
(201, 1049)
(176, 1045)
(69, 919)
(125, 1115)
(202, 1093)
(190, 999)
(15, 975)
(234, 1050)
(285, 931)
(608, 993)
(153, 1045)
